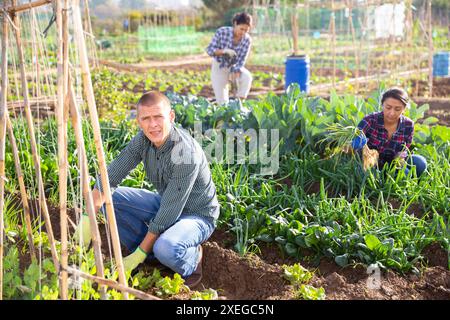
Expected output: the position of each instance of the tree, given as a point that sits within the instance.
(104, 9)
(221, 8)
(133, 4)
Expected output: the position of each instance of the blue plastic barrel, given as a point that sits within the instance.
(298, 70)
(441, 64)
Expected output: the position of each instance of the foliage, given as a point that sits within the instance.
(296, 274)
(219, 7)
(324, 204)
(299, 276)
(167, 286)
(307, 292)
(207, 294)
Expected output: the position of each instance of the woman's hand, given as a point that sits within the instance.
(359, 142)
(235, 75)
(229, 52)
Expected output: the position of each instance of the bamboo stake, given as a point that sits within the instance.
(3, 93)
(392, 43)
(86, 75)
(410, 32)
(294, 18)
(430, 51)
(35, 77)
(61, 27)
(112, 284)
(23, 7)
(87, 194)
(23, 192)
(367, 36)
(308, 31)
(91, 33)
(333, 41)
(34, 150)
(352, 29)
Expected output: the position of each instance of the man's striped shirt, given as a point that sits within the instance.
(178, 170)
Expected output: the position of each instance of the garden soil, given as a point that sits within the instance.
(259, 275)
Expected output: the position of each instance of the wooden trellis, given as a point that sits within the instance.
(361, 49)
(66, 105)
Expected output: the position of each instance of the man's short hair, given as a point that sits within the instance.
(152, 98)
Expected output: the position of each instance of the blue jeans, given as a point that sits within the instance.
(418, 161)
(177, 247)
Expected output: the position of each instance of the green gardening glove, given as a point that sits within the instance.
(131, 261)
(83, 231)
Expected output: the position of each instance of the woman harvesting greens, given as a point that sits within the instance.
(229, 48)
(389, 132)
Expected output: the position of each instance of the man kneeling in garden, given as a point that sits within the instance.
(172, 223)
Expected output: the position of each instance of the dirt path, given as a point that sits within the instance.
(142, 67)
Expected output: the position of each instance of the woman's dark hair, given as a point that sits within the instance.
(396, 93)
(242, 18)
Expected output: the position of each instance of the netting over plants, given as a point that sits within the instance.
(169, 39)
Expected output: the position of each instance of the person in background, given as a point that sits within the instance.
(390, 132)
(172, 223)
(230, 48)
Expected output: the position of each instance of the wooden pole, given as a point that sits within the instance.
(366, 23)
(86, 76)
(409, 32)
(308, 31)
(3, 93)
(294, 23)
(23, 7)
(20, 177)
(91, 33)
(35, 76)
(352, 29)
(112, 284)
(333, 41)
(430, 51)
(394, 67)
(23, 192)
(62, 59)
(34, 149)
(86, 189)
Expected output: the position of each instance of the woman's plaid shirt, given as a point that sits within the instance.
(373, 127)
(223, 39)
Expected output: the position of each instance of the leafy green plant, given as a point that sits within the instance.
(299, 276)
(207, 294)
(308, 292)
(167, 286)
(296, 274)
(12, 282)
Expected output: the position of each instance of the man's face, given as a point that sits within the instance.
(156, 122)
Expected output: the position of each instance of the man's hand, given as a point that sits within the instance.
(133, 260)
(83, 230)
(229, 52)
